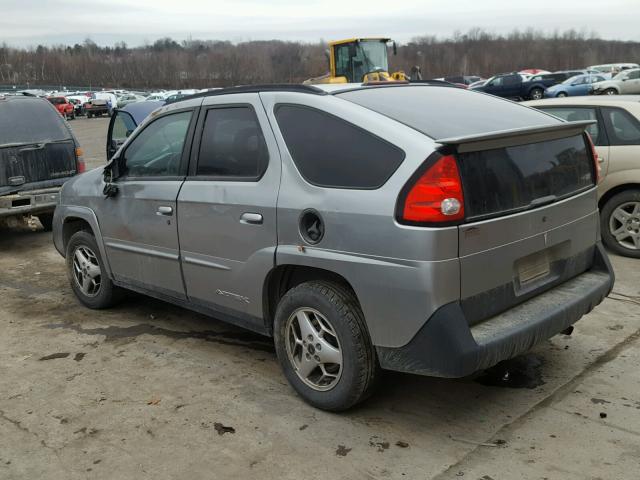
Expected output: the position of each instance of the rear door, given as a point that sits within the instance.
(227, 207)
(139, 224)
(531, 219)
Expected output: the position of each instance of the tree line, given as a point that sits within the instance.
(167, 63)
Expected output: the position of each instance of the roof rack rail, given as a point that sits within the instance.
(268, 87)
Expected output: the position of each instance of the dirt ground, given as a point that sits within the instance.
(148, 390)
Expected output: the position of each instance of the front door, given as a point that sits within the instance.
(227, 208)
(121, 125)
(139, 223)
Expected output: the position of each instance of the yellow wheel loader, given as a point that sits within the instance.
(359, 60)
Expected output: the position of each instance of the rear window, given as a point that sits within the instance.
(30, 120)
(442, 112)
(524, 176)
(331, 152)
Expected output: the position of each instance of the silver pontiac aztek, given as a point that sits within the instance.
(420, 228)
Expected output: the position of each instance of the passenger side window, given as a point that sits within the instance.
(123, 125)
(232, 145)
(511, 80)
(634, 75)
(331, 152)
(157, 150)
(623, 128)
(576, 114)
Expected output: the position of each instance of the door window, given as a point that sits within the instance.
(577, 114)
(511, 80)
(157, 150)
(232, 145)
(623, 128)
(634, 75)
(123, 125)
(330, 152)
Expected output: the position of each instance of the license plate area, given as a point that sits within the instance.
(533, 268)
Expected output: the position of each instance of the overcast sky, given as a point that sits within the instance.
(30, 22)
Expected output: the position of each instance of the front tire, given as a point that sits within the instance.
(562, 95)
(620, 223)
(87, 273)
(611, 91)
(536, 93)
(323, 345)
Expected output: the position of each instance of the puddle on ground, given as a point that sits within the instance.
(524, 371)
(111, 333)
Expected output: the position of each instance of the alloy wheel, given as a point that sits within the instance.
(313, 349)
(624, 225)
(86, 271)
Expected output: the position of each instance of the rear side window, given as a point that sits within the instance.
(576, 114)
(30, 120)
(232, 145)
(623, 128)
(331, 152)
(524, 176)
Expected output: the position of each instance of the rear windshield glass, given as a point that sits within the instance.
(442, 112)
(524, 176)
(30, 120)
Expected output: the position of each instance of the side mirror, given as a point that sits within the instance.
(108, 175)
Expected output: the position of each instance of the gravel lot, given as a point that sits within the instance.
(148, 390)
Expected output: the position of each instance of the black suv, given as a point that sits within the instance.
(38, 153)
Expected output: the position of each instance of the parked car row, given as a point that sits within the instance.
(609, 79)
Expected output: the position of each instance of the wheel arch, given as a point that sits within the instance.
(616, 190)
(72, 219)
(283, 278)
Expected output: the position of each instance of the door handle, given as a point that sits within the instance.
(251, 218)
(163, 210)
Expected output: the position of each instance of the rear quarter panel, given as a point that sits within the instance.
(362, 241)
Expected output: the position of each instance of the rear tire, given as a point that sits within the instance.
(89, 114)
(87, 273)
(46, 220)
(620, 223)
(331, 316)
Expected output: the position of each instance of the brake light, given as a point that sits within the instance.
(596, 162)
(436, 196)
(81, 167)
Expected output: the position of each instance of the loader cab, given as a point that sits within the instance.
(351, 60)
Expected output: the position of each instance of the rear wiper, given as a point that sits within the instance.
(538, 202)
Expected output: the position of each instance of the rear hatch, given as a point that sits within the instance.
(531, 220)
(526, 181)
(37, 150)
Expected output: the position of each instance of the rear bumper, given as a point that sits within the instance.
(446, 346)
(29, 203)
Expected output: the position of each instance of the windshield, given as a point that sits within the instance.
(355, 60)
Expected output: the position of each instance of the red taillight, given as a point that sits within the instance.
(81, 166)
(596, 162)
(436, 196)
